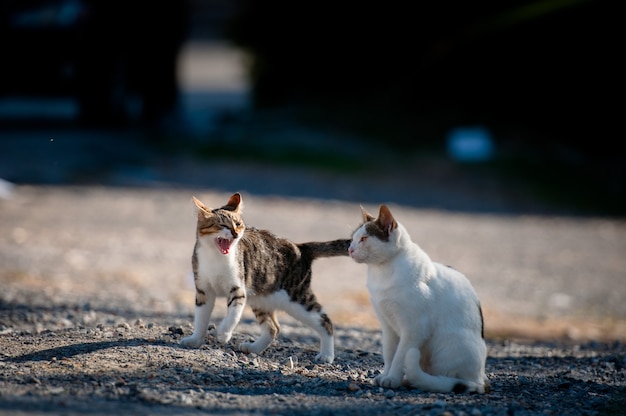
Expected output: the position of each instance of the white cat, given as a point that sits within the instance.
(431, 319)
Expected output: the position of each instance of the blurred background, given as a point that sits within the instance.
(492, 128)
(515, 98)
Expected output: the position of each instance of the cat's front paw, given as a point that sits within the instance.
(224, 337)
(324, 358)
(192, 341)
(387, 382)
(469, 387)
(223, 333)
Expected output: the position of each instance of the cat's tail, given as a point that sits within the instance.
(325, 248)
(419, 379)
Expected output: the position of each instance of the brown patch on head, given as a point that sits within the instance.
(385, 220)
(207, 223)
(208, 226)
(373, 229)
(212, 221)
(382, 226)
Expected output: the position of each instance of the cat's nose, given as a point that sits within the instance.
(350, 250)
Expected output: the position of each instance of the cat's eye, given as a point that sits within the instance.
(237, 224)
(363, 238)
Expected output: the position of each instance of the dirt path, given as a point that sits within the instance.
(96, 293)
(544, 277)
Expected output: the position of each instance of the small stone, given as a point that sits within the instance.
(353, 387)
(55, 390)
(34, 380)
(176, 330)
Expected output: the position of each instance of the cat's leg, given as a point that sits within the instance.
(269, 331)
(315, 318)
(463, 359)
(419, 379)
(390, 344)
(394, 350)
(324, 328)
(205, 301)
(236, 301)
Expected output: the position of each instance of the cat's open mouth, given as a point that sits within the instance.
(223, 244)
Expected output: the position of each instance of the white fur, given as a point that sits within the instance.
(428, 313)
(217, 275)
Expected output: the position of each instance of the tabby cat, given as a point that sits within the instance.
(252, 266)
(431, 319)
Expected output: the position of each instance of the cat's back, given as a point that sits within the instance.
(453, 283)
(265, 240)
(262, 248)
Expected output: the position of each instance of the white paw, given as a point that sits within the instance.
(250, 348)
(246, 347)
(192, 341)
(388, 382)
(324, 358)
(224, 337)
(474, 387)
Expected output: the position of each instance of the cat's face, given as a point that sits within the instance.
(372, 242)
(222, 226)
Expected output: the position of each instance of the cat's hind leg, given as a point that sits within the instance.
(464, 359)
(316, 319)
(269, 331)
(419, 379)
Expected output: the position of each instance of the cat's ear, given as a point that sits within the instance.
(367, 217)
(234, 203)
(201, 207)
(385, 219)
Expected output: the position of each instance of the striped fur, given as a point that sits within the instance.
(255, 267)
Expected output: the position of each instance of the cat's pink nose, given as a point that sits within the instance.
(350, 250)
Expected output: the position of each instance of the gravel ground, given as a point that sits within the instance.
(86, 360)
(96, 294)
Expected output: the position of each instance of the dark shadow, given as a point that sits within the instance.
(68, 351)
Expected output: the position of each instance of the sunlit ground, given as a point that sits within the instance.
(537, 277)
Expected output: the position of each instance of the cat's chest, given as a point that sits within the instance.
(394, 288)
(384, 281)
(217, 271)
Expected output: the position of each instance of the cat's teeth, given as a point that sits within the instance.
(223, 244)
